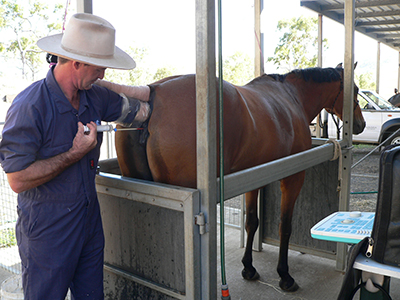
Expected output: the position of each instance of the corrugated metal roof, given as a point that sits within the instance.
(378, 19)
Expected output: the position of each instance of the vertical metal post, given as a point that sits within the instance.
(206, 142)
(259, 39)
(258, 236)
(84, 6)
(242, 219)
(378, 67)
(258, 71)
(320, 39)
(348, 94)
(398, 75)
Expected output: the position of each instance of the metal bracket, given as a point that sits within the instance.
(201, 221)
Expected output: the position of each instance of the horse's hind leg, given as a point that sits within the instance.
(249, 272)
(290, 188)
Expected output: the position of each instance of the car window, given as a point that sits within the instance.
(382, 103)
(362, 102)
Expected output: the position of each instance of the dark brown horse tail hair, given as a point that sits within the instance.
(137, 140)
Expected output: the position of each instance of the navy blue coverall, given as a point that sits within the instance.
(59, 229)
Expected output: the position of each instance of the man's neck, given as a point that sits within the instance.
(63, 73)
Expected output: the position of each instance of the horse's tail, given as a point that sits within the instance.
(132, 145)
(131, 149)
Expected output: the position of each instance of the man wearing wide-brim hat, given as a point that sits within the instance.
(51, 163)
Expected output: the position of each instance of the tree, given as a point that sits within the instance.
(298, 45)
(142, 74)
(24, 25)
(364, 81)
(163, 72)
(238, 68)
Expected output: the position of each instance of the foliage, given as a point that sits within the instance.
(298, 45)
(24, 25)
(365, 81)
(7, 237)
(142, 74)
(238, 69)
(163, 72)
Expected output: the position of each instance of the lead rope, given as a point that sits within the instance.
(65, 15)
(337, 154)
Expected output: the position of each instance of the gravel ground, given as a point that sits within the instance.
(364, 179)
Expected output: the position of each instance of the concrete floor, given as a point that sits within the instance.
(316, 276)
(4, 274)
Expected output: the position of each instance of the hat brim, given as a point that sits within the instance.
(120, 59)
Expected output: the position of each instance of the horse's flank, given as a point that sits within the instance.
(264, 120)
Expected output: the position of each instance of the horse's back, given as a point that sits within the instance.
(259, 126)
(171, 147)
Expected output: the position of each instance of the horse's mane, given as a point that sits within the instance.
(316, 74)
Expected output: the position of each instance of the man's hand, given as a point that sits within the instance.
(83, 143)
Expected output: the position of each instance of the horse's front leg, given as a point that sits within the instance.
(249, 272)
(290, 188)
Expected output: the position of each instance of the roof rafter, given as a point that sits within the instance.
(378, 19)
(363, 4)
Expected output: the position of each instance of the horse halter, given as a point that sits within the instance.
(333, 105)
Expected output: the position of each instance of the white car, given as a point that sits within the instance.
(381, 117)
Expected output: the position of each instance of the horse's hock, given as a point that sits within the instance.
(152, 242)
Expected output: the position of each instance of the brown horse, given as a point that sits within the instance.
(264, 120)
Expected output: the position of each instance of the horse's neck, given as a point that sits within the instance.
(315, 96)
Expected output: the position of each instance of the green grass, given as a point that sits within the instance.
(7, 237)
(364, 146)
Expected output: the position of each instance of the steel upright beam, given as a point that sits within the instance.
(258, 71)
(259, 39)
(348, 94)
(378, 67)
(320, 40)
(206, 142)
(398, 74)
(84, 6)
(320, 53)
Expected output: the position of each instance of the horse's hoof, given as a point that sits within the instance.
(250, 275)
(288, 287)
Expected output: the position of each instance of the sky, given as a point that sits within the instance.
(167, 30)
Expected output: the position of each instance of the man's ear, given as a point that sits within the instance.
(76, 64)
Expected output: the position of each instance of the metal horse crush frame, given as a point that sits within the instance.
(152, 241)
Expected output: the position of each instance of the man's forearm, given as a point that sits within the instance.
(40, 172)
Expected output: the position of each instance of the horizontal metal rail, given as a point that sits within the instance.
(142, 281)
(259, 176)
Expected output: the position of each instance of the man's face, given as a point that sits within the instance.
(89, 74)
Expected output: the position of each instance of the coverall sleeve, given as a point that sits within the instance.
(21, 137)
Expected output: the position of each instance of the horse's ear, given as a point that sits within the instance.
(355, 65)
(339, 66)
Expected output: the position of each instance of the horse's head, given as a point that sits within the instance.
(337, 106)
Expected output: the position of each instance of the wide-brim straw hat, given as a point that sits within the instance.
(88, 39)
